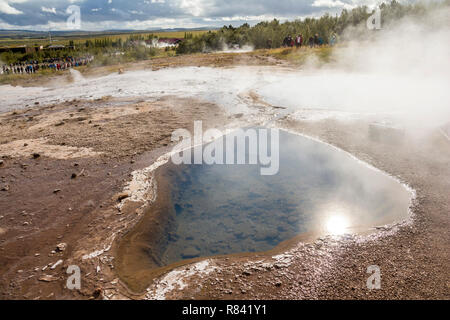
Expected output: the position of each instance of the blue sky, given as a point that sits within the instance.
(154, 14)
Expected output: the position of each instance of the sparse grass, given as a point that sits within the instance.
(299, 56)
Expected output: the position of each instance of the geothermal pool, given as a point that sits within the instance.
(227, 209)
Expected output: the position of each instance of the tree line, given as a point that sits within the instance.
(266, 34)
(270, 34)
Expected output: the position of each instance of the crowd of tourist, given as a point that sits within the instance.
(57, 64)
(313, 41)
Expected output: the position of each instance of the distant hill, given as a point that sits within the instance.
(20, 34)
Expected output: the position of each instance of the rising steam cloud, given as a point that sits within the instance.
(402, 71)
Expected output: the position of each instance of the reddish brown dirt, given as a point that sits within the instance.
(47, 201)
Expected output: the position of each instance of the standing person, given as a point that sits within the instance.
(297, 41)
(333, 39)
(316, 40)
(285, 41)
(311, 42)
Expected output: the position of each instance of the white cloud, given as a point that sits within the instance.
(5, 6)
(108, 25)
(48, 10)
(346, 4)
(209, 12)
(329, 4)
(196, 8)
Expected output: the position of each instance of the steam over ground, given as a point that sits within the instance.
(400, 73)
(403, 70)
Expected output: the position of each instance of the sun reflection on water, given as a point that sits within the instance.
(337, 224)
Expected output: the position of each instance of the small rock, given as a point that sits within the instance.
(61, 247)
(48, 278)
(97, 292)
(1, 162)
(53, 267)
(36, 155)
(5, 188)
(73, 176)
(122, 196)
(56, 190)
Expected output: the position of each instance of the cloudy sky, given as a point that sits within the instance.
(153, 14)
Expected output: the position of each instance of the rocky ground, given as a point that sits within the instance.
(64, 169)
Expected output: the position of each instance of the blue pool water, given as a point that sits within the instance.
(225, 209)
